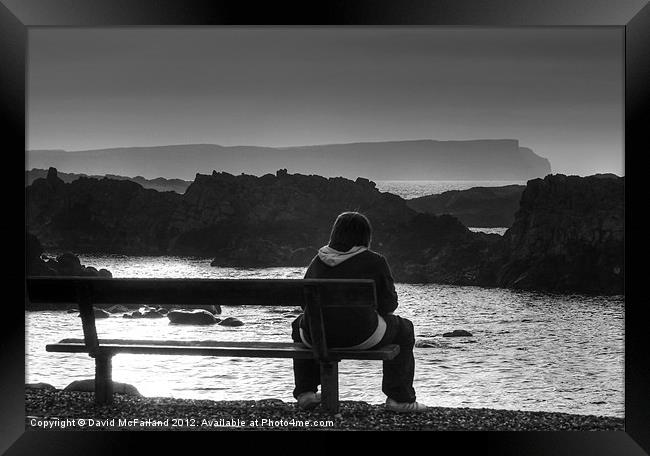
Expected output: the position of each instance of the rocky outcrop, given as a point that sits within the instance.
(457, 333)
(488, 207)
(66, 264)
(160, 183)
(231, 321)
(249, 221)
(192, 317)
(88, 385)
(40, 385)
(568, 236)
(92, 215)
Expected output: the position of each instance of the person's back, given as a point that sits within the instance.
(362, 328)
(348, 256)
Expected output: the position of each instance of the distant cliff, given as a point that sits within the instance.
(390, 160)
(477, 206)
(161, 184)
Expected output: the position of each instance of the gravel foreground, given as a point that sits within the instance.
(57, 409)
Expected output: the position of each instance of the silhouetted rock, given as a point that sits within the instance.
(248, 221)
(457, 333)
(193, 317)
(104, 273)
(160, 183)
(153, 314)
(231, 321)
(41, 385)
(91, 215)
(477, 206)
(88, 385)
(118, 308)
(66, 264)
(568, 236)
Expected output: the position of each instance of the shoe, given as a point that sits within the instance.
(404, 407)
(308, 400)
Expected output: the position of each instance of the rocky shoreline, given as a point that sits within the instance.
(164, 414)
(567, 235)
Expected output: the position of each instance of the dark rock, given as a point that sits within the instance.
(231, 321)
(160, 184)
(66, 264)
(213, 309)
(568, 236)
(81, 216)
(457, 333)
(104, 273)
(153, 314)
(45, 386)
(244, 221)
(89, 271)
(89, 386)
(137, 314)
(118, 308)
(127, 315)
(72, 311)
(191, 317)
(477, 206)
(425, 344)
(69, 264)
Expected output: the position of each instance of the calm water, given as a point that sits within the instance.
(530, 351)
(414, 188)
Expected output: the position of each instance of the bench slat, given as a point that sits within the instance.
(188, 292)
(218, 348)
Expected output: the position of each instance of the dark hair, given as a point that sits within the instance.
(350, 229)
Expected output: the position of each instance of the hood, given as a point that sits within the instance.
(332, 257)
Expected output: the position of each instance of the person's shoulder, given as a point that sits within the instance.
(375, 256)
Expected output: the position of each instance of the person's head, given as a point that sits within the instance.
(349, 230)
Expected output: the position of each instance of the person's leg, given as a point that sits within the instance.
(397, 381)
(306, 372)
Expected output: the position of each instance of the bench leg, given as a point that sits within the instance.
(103, 380)
(329, 377)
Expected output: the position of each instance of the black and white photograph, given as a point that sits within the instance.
(325, 228)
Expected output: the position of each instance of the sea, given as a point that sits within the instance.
(528, 351)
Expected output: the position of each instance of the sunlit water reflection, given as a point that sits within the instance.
(529, 351)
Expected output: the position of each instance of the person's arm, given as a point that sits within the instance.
(386, 294)
(309, 274)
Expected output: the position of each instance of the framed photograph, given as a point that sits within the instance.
(393, 217)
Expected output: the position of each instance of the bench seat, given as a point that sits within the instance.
(219, 348)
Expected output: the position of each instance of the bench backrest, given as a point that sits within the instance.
(315, 295)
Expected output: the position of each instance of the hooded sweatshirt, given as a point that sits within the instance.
(365, 328)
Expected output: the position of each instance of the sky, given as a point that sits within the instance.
(559, 91)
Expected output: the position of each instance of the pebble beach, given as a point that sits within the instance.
(76, 411)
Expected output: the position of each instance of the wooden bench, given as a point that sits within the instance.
(323, 300)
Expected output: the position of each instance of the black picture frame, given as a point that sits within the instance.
(16, 16)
